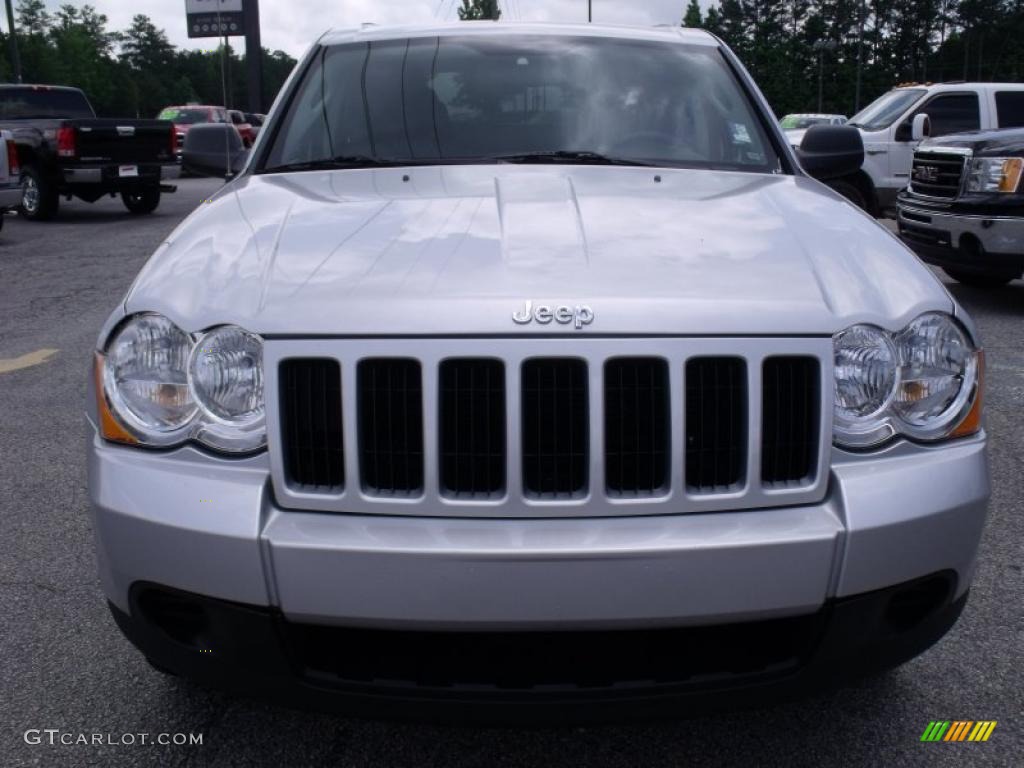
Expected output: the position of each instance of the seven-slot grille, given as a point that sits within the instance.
(591, 429)
(935, 174)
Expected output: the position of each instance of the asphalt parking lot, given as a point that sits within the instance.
(65, 666)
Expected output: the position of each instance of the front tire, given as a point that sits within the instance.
(978, 279)
(141, 202)
(39, 200)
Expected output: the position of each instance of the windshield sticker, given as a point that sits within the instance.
(740, 134)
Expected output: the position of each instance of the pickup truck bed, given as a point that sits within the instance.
(65, 150)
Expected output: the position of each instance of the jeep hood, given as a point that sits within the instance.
(459, 249)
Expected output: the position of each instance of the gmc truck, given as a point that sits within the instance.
(886, 126)
(524, 368)
(964, 207)
(65, 150)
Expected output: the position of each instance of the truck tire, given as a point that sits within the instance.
(39, 200)
(850, 191)
(978, 279)
(141, 202)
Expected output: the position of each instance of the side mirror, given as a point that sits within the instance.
(829, 151)
(213, 149)
(921, 128)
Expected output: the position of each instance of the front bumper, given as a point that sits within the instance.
(938, 237)
(536, 676)
(210, 527)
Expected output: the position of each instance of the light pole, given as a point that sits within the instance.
(860, 57)
(15, 59)
(821, 46)
(590, 10)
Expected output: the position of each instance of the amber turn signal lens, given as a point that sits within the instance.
(971, 423)
(1010, 178)
(110, 427)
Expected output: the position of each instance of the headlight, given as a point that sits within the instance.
(994, 174)
(865, 383)
(226, 376)
(164, 387)
(146, 378)
(922, 382)
(939, 368)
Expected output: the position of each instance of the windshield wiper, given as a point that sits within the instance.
(340, 162)
(565, 156)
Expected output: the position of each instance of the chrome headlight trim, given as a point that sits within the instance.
(150, 335)
(894, 419)
(208, 422)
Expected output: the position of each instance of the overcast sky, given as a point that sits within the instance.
(292, 25)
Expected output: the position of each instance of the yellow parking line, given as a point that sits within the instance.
(38, 357)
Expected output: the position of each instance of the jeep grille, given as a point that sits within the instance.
(548, 428)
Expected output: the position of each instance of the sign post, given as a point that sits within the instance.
(214, 18)
(230, 18)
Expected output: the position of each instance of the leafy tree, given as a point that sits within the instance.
(693, 16)
(473, 10)
(33, 18)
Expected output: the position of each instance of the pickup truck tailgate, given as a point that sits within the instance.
(124, 141)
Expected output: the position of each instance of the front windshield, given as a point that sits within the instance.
(883, 111)
(185, 116)
(494, 98)
(799, 122)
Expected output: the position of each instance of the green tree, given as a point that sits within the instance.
(693, 16)
(33, 18)
(473, 10)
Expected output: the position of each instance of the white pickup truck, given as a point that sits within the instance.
(10, 175)
(886, 126)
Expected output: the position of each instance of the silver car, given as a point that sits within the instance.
(525, 366)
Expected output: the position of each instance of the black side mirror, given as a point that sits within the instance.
(213, 149)
(829, 151)
(904, 132)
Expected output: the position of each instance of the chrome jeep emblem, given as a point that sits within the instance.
(563, 314)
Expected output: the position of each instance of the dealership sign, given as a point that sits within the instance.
(214, 18)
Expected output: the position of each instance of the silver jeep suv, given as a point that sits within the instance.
(526, 365)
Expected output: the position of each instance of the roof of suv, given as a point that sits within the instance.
(460, 28)
(961, 86)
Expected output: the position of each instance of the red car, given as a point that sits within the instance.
(245, 129)
(192, 114)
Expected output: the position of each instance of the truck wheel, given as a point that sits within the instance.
(39, 200)
(978, 279)
(144, 201)
(850, 191)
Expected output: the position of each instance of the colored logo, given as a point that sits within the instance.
(958, 730)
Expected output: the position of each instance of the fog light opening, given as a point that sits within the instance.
(182, 619)
(916, 603)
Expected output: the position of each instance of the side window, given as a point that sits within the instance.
(953, 113)
(1010, 108)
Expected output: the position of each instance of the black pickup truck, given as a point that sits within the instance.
(964, 207)
(65, 150)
